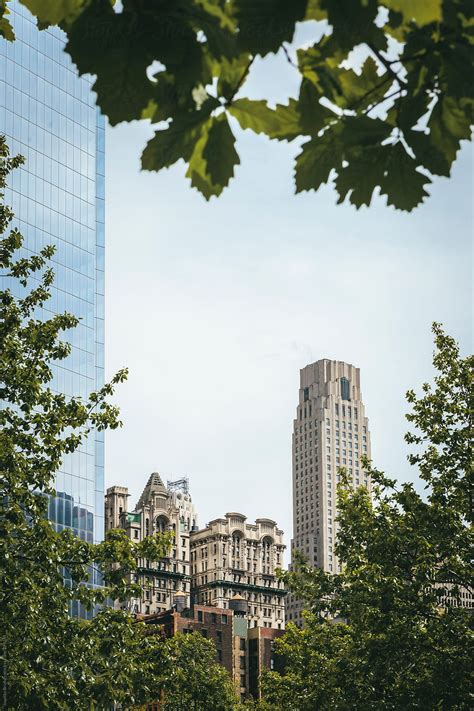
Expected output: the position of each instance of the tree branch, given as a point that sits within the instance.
(241, 81)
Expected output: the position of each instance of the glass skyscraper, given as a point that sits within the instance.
(48, 115)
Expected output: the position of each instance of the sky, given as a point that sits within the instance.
(215, 307)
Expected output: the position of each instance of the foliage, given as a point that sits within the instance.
(391, 630)
(50, 660)
(386, 126)
(188, 677)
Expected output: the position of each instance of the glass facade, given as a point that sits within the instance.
(48, 115)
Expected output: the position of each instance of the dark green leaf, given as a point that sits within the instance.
(315, 162)
(230, 73)
(449, 123)
(175, 142)
(403, 184)
(219, 152)
(426, 154)
(361, 176)
(313, 115)
(265, 24)
(353, 23)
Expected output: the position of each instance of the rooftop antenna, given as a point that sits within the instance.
(179, 485)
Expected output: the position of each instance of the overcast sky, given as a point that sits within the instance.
(216, 306)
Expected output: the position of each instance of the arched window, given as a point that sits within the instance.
(236, 544)
(267, 554)
(161, 524)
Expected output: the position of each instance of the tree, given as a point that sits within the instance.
(188, 677)
(49, 659)
(386, 126)
(393, 631)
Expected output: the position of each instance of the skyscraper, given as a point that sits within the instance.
(48, 115)
(330, 431)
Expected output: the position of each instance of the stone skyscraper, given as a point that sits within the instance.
(330, 431)
(48, 115)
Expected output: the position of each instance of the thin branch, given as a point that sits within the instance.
(383, 100)
(241, 81)
(289, 59)
(386, 64)
(368, 93)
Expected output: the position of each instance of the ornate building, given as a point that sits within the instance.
(231, 556)
(160, 508)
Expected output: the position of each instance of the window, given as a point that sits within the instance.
(135, 533)
(200, 616)
(224, 619)
(219, 655)
(204, 632)
(219, 636)
(213, 618)
(345, 389)
(242, 644)
(306, 394)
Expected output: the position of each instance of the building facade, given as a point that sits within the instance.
(330, 432)
(244, 651)
(231, 556)
(48, 115)
(159, 509)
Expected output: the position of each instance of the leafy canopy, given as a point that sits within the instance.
(49, 659)
(393, 631)
(386, 126)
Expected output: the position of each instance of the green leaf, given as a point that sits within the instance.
(229, 75)
(119, 47)
(265, 24)
(313, 115)
(360, 90)
(420, 11)
(449, 123)
(314, 11)
(361, 176)
(177, 141)
(426, 153)
(197, 169)
(168, 99)
(403, 184)
(354, 22)
(408, 110)
(361, 131)
(55, 11)
(314, 164)
(219, 152)
(6, 29)
(281, 123)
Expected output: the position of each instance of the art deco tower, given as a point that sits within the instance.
(330, 431)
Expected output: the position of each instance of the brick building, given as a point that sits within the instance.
(244, 651)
